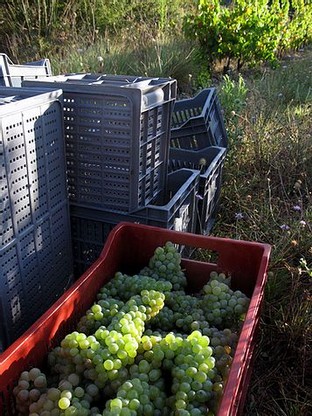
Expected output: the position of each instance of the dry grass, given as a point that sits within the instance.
(268, 179)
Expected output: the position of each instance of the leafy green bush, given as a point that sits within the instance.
(250, 32)
(299, 28)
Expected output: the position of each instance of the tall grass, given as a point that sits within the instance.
(32, 29)
(151, 56)
(268, 181)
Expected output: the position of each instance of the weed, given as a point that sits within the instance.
(266, 196)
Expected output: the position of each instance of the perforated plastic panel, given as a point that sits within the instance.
(198, 122)
(35, 241)
(174, 209)
(33, 177)
(36, 269)
(117, 138)
(209, 162)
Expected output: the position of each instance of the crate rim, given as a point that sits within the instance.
(33, 97)
(220, 154)
(94, 88)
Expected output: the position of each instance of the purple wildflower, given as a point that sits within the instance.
(239, 216)
(297, 208)
(284, 227)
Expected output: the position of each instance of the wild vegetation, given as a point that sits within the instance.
(259, 57)
(266, 196)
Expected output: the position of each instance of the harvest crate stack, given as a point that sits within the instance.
(97, 171)
(199, 141)
(117, 137)
(35, 244)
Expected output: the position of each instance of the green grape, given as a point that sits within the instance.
(34, 395)
(53, 393)
(34, 373)
(64, 403)
(23, 395)
(23, 384)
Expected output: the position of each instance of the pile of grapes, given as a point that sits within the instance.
(145, 347)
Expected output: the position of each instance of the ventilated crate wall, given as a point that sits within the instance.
(12, 75)
(174, 209)
(117, 138)
(36, 268)
(209, 162)
(198, 134)
(35, 243)
(198, 122)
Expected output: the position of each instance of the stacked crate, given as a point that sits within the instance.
(121, 150)
(117, 137)
(174, 209)
(199, 141)
(12, 75)
(197, 122)
(35, 251)
(209, 162)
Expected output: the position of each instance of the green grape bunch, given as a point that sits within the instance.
(221, 305)
(165, 264)
(144, 347)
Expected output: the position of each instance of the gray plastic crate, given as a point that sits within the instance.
(36, 268)
(35, 243)
(33, 177)
(209, 162)
(198, 122)
(12, 75)
(117, 132)
(174, 209)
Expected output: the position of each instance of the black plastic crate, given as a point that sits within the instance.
(35, 243)
(36, 268)
(197, 122)
(12, 75)
(209, 162)
(32, 158)
(174, 209)
(117, 131)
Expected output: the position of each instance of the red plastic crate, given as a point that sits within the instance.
(247, 263)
